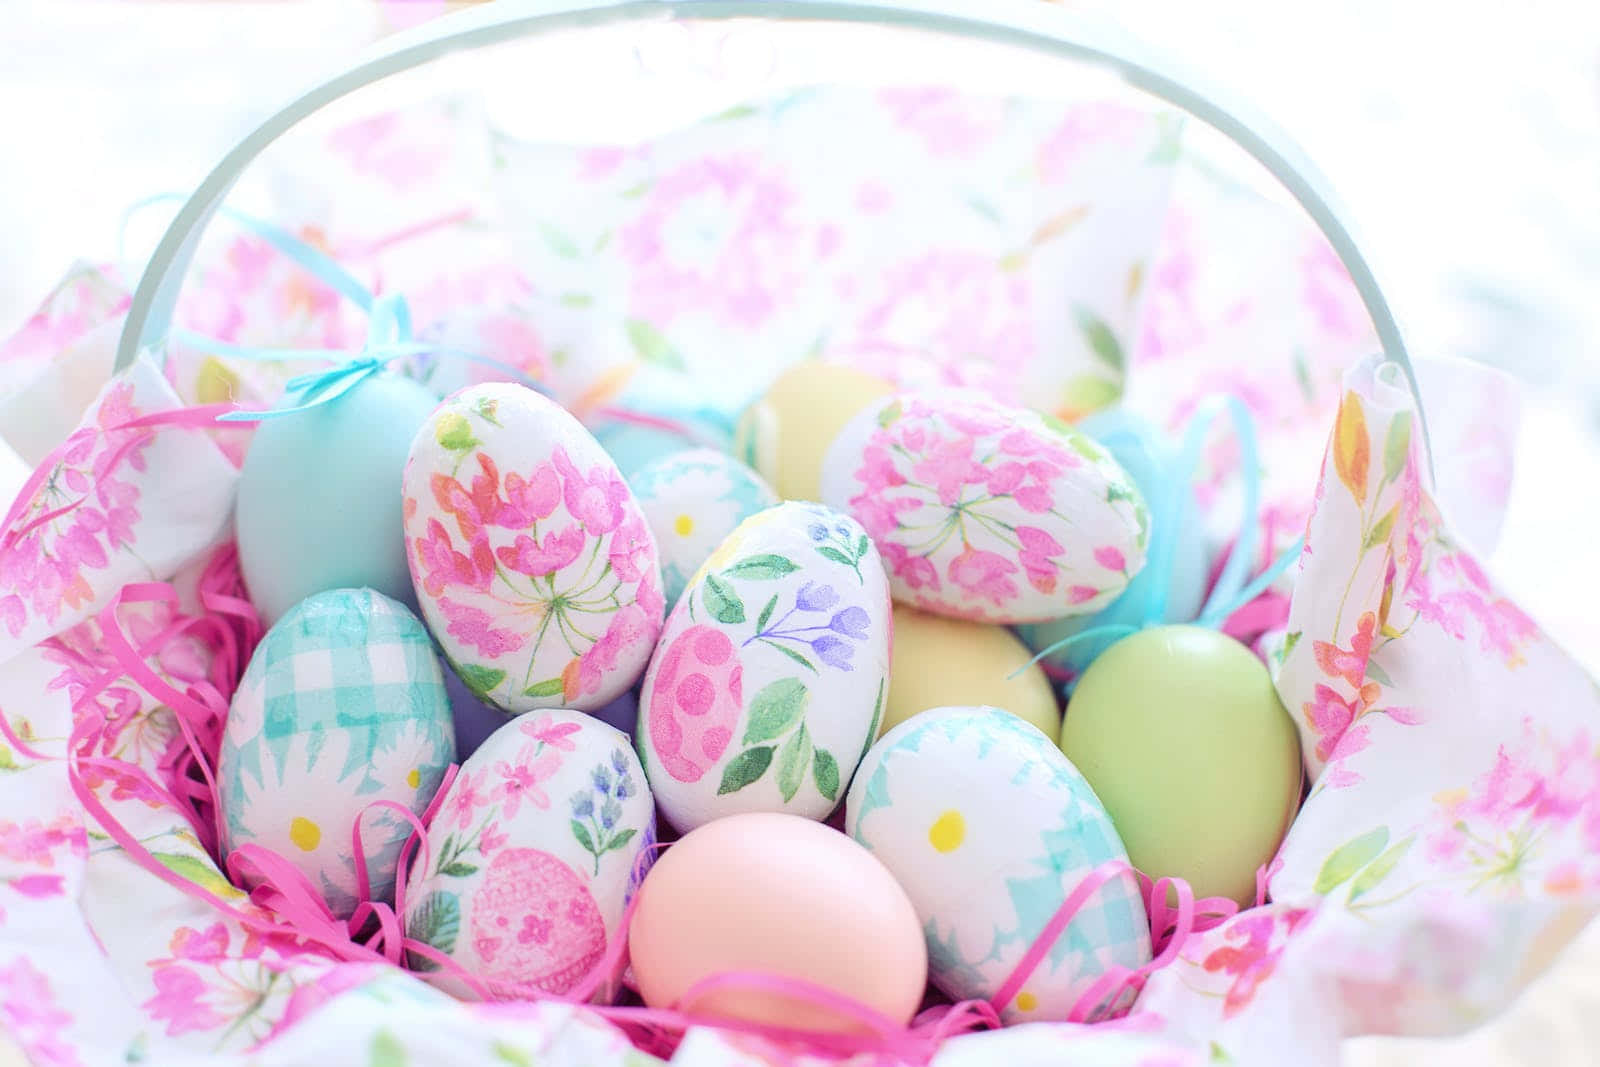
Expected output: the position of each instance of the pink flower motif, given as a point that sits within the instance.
(947, 466)
(1034, 498)
(538, 558)
(1350, 665)
(1037, 549)
(1082, 594)
(631, 548)
(520, 780)
(466, 797)
(1253, 961)
(983, 574)
(596, 500)
(476, 630)
(649, 597)
(179, 1000)
(442, 566)
(529, 500)
(1329, 716)
(916, 571)
(946, 121)
(716, 236)
(201, 947)
(878, 471)
(1111, 558)
(13, 614)
(547, 731)
(32, 1016)
(879, 513)
(628, 628)
(39, 886)
(491, 840)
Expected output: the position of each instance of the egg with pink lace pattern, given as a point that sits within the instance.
(533, 564)
(987, 512)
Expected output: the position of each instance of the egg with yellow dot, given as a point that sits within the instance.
(342, 704)
(989, 829)
(943, 662)
(785, 433)
(692, 501)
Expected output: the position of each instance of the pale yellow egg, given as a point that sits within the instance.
(943, 662)
(785, 433)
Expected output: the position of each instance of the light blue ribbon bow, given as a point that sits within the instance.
(1232, 590)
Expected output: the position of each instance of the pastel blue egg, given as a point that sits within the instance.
(343, 704)
(659, 412)
(693, 500)
(319, 502)
(1149, 457)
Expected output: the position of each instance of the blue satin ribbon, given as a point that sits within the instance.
(1232, 591)
(389, 334)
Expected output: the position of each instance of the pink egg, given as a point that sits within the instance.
(697, 702)
(782, 895)
(535, 922)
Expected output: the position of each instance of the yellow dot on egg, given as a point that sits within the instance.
(947, 831)
(1026, 1001)
(305, 834)
(683, 525)
(414, 777)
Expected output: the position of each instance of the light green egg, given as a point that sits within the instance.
(1181, 734)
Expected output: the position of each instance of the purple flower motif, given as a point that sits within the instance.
(602, 779)
(814, 597)
(582, 805)
(852, 622)
(610, 812)
(625, 787)
(834, 652)
(619, 762)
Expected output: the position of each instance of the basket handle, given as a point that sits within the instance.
(1034, 25)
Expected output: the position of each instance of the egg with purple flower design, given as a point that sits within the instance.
(772, 671)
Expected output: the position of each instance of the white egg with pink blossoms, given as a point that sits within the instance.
(987, 512)
(533, 564)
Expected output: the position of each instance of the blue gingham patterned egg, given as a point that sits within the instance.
(343, 704)
(989, 829)
(692, 501)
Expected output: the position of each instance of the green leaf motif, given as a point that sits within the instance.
(511, 1054)
(651, 346)
(891, 414)
(1396, 446)
(1379, 868)
(559, 243)
(829, 552)
(825, 769)
(386, 1051)
(1379, 534)
(861, 546)
(1102, 342)
(454, 432)
(550, 687)
(7, 761)
(481, 680)
(1378, 674)
(459, 869)
(763, 568)
(722, 601)
(576, 300)
(775, 710)
(201, 872)
(1349, 858)
(793, 759)
(436, 923)
(748, 766)
(487, 407)
(581, 832)
(621, 839)
(1086, 393)
(766, 613)
(792, 654)
(877, 720)
(1289, 642)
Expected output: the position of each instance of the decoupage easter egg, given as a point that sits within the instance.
(532, 857)
(1174, 591)
(692, 501)
(785, 434)
(986, 512)
(778, 895)
(769, 680)
(1181, 733)
(319, 497)
(943, 662)
(533, 564)
(989, 829)
(342, 704)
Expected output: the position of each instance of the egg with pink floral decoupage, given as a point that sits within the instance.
(535, 850)
(987, 512)
(771, 675)
(533, 564)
